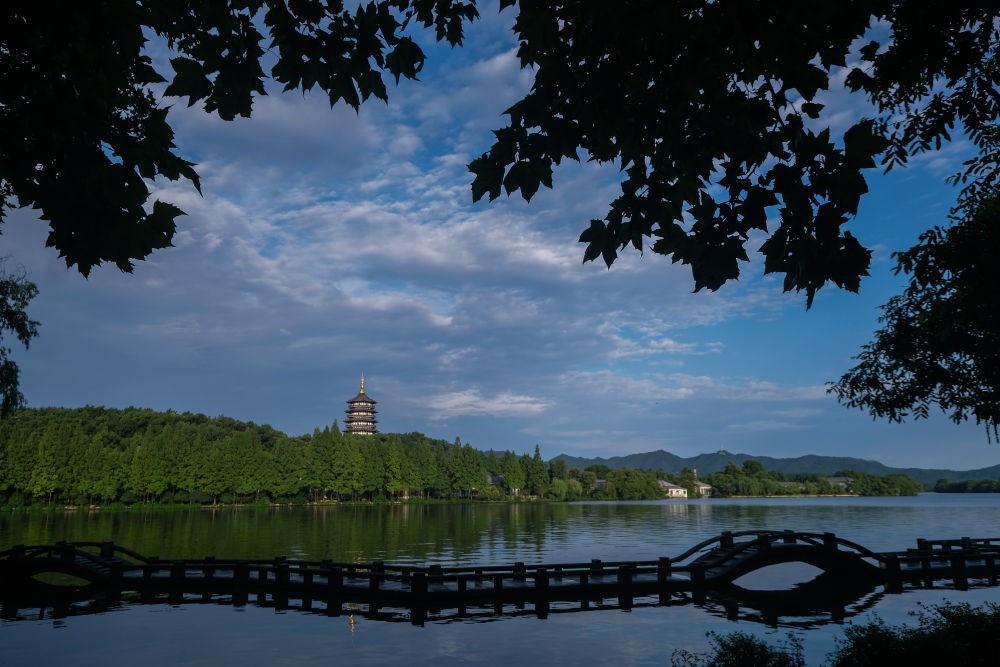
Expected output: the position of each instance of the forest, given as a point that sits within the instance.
(751, 479)
(98, 456)
(968, 486)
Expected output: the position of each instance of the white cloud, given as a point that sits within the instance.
(471, 402)
(768, 425)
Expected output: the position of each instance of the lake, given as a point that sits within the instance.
(463, 534)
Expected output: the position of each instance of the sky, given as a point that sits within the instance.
(329, 243)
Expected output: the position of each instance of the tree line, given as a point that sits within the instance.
(751, 479)
(968, 486)
(96, 455)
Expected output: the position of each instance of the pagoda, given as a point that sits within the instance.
(361, 413)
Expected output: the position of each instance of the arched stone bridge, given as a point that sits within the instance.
(729, 556)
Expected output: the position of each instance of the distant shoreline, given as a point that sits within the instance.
(190, 507)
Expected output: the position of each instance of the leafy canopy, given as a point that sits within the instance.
(16, 291)
(710, 110)
(84, 133)
(940, 342)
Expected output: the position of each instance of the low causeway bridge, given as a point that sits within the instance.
(91, 568)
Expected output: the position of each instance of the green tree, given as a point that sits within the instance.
(466, 470)
(632, 484)
(214, 481)
(44, 480)
(939, 343)
(513, 474)
(558, 469)
(16, 292)
(537, 474)
(347, 468)
(393, 466)
(687, 479)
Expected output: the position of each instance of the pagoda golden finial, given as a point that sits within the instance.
(362, 382)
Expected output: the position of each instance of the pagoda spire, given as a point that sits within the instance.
(361, 413)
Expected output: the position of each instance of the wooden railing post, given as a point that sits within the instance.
(418, 597)
(241, 584)
(177, 572)
(497, 592)
(925, 569)
(960, 578)
(147, 577)
(462, 585)
(893, 576)
(663, 570)
(335, 591)
(698, 583)
(418, 587)
(625, 586)
(281, 580)
(541, 592)
(307, 589)
(66, 554)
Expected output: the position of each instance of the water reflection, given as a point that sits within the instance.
(821, 601)
(463, 534)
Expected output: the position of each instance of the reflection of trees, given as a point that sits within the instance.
(450, 532)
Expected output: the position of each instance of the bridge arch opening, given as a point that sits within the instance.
(778, 577)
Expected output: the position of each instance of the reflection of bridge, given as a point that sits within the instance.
(103, 573)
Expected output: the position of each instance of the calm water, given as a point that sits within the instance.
(213, 634)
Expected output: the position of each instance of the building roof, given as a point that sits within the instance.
(362, 397)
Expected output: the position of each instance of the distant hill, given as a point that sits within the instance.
(709, 463)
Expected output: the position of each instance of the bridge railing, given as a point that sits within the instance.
(110, 561)
(730, 541)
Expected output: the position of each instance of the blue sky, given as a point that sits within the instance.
(328, 243)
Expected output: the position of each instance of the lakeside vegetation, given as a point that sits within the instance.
(751, 479)
(946, 634)
(100, 456)
(968, 486)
